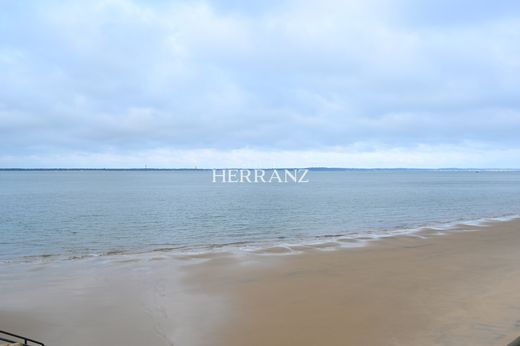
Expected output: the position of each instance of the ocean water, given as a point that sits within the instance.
(64, 214)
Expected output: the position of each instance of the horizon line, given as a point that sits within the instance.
(265, 168)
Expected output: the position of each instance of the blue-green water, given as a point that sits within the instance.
(77, 213)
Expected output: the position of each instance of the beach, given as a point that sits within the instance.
(259, 173)
(458, 287)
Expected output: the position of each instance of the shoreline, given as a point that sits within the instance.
(277, 247)
(429, 288)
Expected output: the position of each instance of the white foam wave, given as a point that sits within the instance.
(280, 247)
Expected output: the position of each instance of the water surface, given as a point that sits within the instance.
(76, 213)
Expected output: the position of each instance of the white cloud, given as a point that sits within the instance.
(119, 76)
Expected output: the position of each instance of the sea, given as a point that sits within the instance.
(70, 214)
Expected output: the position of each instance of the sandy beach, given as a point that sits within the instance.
(260, 173)
(458, 288)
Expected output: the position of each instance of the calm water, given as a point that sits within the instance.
(76, 213)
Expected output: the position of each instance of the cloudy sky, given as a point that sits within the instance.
(220, 83)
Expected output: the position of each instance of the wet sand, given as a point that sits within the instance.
(460, 288)
(455, 289)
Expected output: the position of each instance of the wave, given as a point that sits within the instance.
(278, 246)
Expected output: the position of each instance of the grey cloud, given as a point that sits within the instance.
(127, 75)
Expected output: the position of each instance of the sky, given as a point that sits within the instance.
(287, 83)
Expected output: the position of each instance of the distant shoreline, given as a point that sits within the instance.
(314, 169)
